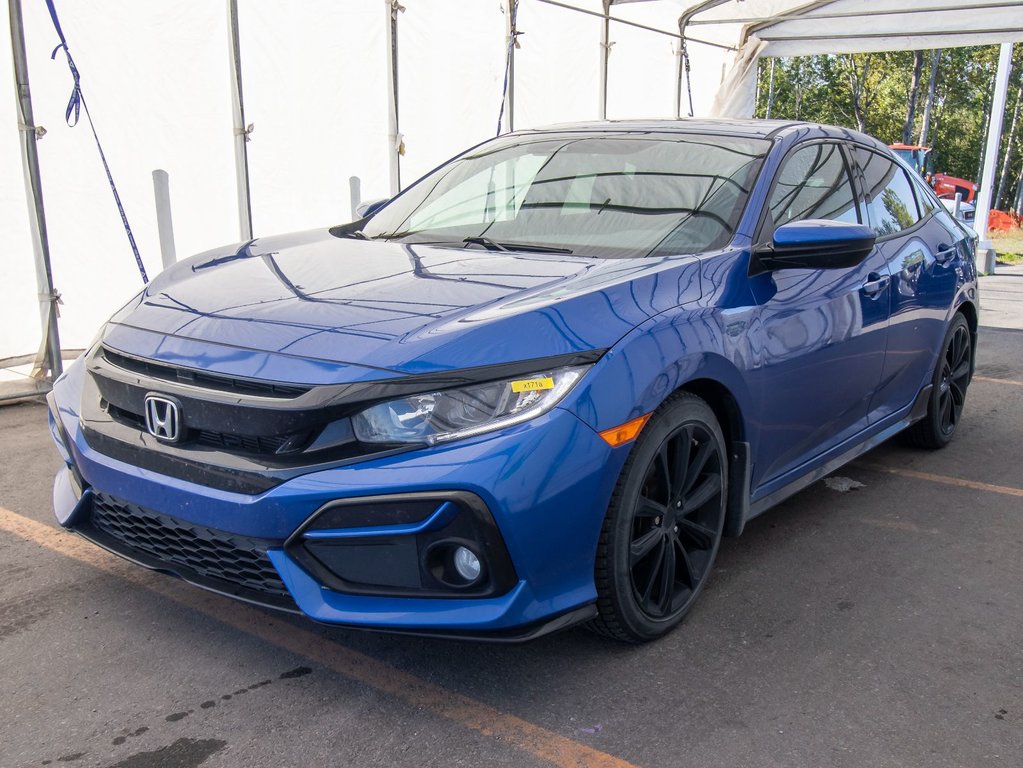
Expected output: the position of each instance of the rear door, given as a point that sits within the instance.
(822, 332)
(923, 248)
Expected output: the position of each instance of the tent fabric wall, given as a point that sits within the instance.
(641, 57)
(157, 77)
(451, 56)
(557, 66)
(20, 325)
(314, 81)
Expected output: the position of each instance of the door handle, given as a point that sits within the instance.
(945, 252)
(874, 284)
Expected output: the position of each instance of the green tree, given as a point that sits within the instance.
(884, 94)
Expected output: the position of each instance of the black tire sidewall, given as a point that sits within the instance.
(674, 414)
(933, 418)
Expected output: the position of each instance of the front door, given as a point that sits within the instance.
(822, 333)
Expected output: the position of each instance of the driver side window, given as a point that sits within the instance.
(813, 183)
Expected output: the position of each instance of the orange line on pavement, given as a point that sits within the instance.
(955, 481)
(404, 686)
(998, 381)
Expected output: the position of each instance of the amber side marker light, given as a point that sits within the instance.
(624, 432)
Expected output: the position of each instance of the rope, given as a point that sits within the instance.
(75, 106)
(689, 85)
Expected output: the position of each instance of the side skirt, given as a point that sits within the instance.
(876, 435)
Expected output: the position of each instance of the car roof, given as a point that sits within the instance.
(753, 128)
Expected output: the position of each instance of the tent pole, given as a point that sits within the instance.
(29, 134)
(393, 134)
(241, 131)
(164, 220)
(605, 54)
(513, 32)
(994, 140)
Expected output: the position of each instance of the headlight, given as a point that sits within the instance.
(435, 417)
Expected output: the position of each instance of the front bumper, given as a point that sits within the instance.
(544, 484)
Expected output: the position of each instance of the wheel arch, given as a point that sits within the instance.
(968, 310)
(729, 414)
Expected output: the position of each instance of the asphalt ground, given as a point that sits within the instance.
(878, 624)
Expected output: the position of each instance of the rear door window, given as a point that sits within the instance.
(891, 204)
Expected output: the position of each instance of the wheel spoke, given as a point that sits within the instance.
(957, 349)
(665, 468)
(683, 450)
(667, 578)
(962, 348)
(691, 579)
(946, 409)
(696, 467)
(647, 507)
(644, 545)
(703, 493)
(653, 577)
(701, 536)
(958, 397)
(961, 371)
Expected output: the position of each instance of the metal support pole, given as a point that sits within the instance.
(512, 34)
(355, 195)
(679, 75)
(164, 222)
(394, 137)
(241, 129)
(48, 360)
(994, 139)
(605, 54)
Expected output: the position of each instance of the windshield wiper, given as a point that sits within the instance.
(492, 245)
(355, 234)
(486, 242)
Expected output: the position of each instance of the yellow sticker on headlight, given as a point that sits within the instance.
(532, 385)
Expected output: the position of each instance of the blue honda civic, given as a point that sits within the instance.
(535, 389)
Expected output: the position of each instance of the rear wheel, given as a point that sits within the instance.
(663, 527)
(948, 392)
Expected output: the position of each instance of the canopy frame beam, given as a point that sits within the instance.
(806, 14)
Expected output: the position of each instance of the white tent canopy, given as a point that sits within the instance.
(367, 88)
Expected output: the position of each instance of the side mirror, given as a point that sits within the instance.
(817, 244)
(370, 207)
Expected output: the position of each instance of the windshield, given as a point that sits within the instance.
(613, 195)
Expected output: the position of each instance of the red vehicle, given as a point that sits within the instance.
(944, 185)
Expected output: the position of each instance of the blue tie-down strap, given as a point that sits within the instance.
(75, 106)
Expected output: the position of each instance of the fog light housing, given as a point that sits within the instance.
(467, 564)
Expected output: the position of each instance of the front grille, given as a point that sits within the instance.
(197, 378)
(247, 443)
(207, 552)
(255, 444)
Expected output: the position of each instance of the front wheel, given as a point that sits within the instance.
(948, 391)
(663, 526)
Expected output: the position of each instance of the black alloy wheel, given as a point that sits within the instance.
(948, 395)
(664, 524)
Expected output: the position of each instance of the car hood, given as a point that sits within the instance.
(392, 308)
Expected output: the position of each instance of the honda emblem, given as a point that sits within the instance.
(163, 418)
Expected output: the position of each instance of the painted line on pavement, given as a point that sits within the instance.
(412, 690)
(997, 381)
(1005, 490)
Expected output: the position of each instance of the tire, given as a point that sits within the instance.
(948, 391)
(663, 526)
